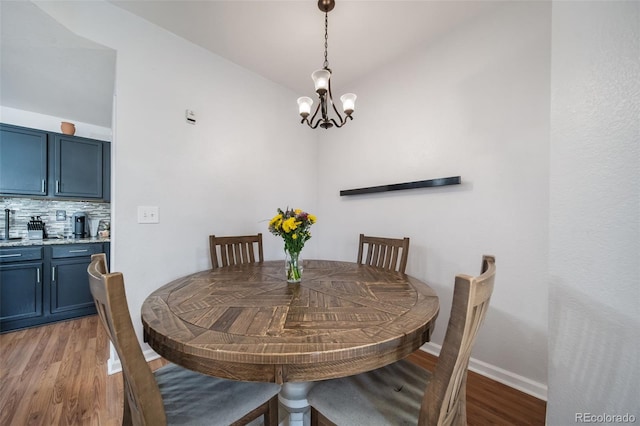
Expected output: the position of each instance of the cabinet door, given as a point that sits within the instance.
(70, 286)
(23, 161)
(106, 171)
(20, 292)
(77, 167)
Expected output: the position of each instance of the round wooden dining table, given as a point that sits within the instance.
(245, 322)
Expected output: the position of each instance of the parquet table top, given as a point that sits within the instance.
(247, 323)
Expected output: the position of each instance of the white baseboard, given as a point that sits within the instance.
(498, 374)
(114, 365)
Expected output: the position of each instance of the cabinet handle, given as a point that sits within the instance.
(38, 275)
(53, 273)
(44, 186)
(78, 251)
(11, 255)
(57, 186)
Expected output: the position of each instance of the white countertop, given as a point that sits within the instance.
(51, 241)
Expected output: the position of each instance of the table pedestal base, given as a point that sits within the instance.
(293, 397)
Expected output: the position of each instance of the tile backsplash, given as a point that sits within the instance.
(23, 208)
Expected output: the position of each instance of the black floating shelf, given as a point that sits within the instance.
(454, 180)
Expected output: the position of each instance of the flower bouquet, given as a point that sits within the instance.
(293, 226)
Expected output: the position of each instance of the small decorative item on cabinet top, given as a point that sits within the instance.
(68, 128)
(293, 226)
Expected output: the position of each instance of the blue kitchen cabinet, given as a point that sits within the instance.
(106, 171)
(77, 167)
(36, 163)
(21, 287)
(23, 161)
(45, 284)
(70, 294)
(107, 250)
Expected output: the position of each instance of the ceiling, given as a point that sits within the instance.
(47, 69)
(280, 40)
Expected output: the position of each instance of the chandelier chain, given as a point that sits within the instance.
(326, 39)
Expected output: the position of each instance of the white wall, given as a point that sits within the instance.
(225, 175)
(474, 103)
(594, 319)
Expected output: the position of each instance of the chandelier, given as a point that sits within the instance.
(322, 81)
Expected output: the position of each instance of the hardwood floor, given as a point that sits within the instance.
(56, 375)
(490, 402)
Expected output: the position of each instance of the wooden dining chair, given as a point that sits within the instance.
(402, 392)
(236, 250)
(390, 254)
(171, 394)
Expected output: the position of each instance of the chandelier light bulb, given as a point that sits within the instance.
(321, 81)
(304, 105)
(348, 102)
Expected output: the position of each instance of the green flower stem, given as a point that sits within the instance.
(293, 268)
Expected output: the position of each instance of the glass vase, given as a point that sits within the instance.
(293, 266)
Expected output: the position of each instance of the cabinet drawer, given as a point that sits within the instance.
(75, 250)
(20, 254)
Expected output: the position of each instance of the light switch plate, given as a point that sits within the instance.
(148, 214)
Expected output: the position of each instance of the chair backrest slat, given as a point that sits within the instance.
(235, 250)
(443, 402)
(223, 256)
(143, 405)
(390, 254)
(251, 254)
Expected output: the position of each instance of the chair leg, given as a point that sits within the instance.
(271, 416)
(268, 411)
(317, 419)
(460, 418)
(126, 411)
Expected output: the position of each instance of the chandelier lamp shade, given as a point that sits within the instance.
(322, 82)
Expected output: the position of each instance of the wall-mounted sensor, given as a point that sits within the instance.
(191, 117)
